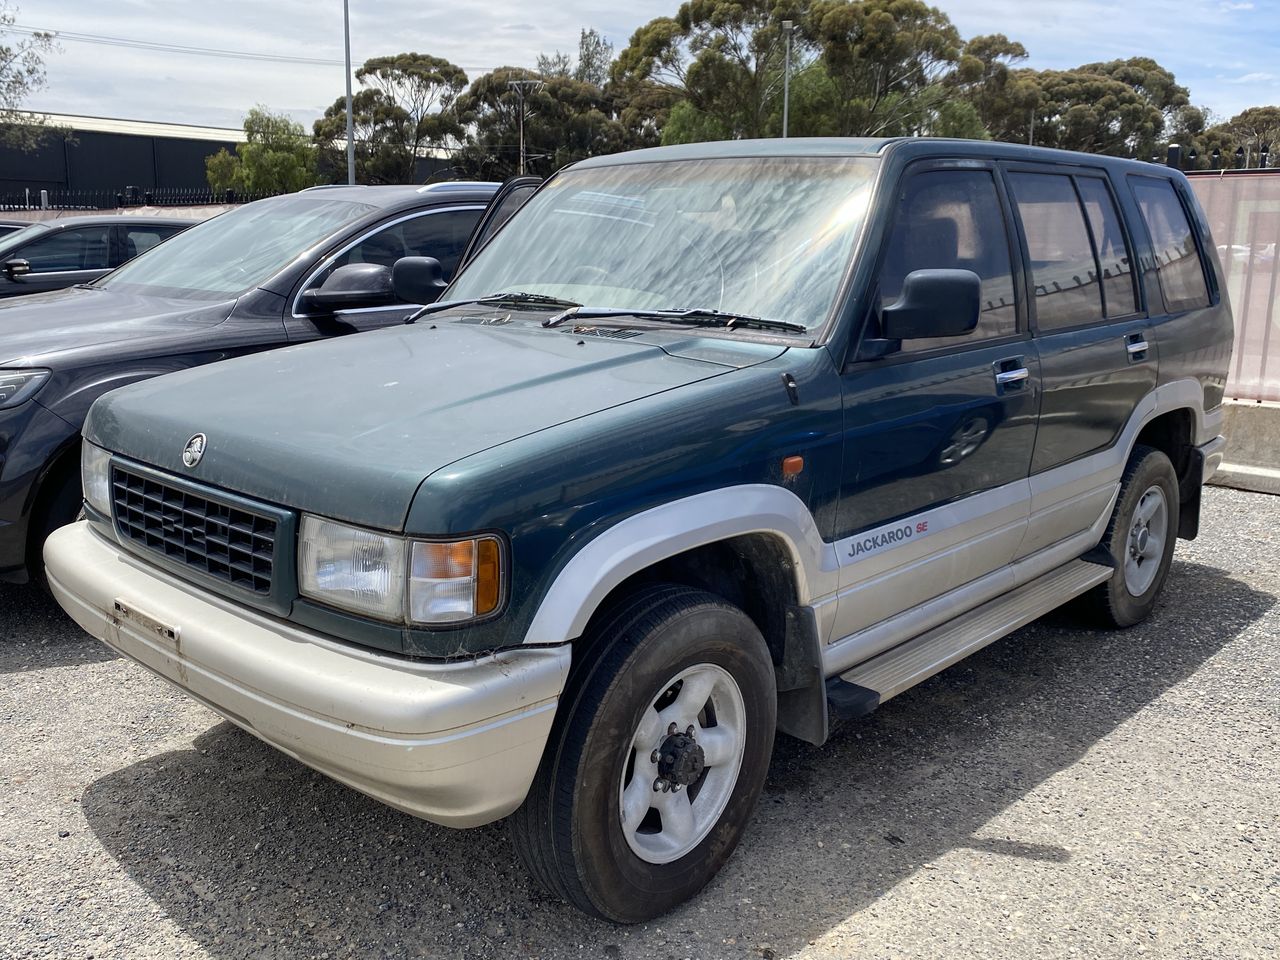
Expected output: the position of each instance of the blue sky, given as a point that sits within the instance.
(1226, 51)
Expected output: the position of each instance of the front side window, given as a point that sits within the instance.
(235, 252)
(84, 248)
(442, 235)
(1177, 257)
(952, 220)
(766, 236)
(1063, 273)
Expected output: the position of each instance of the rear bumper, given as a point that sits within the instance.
(455, 743)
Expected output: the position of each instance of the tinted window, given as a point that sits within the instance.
(951, 219)
(1063, 273)
(441, 235)
(1108, 239)
(141, 239)
(88, 248)
(1177, 259)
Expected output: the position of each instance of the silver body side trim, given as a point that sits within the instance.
(870, 598)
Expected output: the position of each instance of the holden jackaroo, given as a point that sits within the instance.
(704, 443)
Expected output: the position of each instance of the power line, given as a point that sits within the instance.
(216, 52)
(173, 47)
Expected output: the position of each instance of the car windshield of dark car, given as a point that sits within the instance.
(235, 252)
(765, 236)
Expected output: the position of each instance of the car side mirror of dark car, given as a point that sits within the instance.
(418, 279)
(934, 303)
(351, 287)
(13, 269)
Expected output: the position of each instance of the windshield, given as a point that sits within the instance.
(235, 252)
(16, 239)
(765, 236)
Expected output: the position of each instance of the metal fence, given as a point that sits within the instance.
(1244, 214)
(33, 198)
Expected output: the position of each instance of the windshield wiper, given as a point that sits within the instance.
(698, 316)
(517, 298)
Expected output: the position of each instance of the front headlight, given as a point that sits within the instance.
(397, 580)
(95, 477)
(19, 386)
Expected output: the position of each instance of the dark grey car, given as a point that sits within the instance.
(52, 254)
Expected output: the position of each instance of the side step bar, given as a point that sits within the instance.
(860, 690)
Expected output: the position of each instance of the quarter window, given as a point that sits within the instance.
(1064, 275)
(1177, 257)
(952, 219)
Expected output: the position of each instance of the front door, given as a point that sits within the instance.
(937, 436)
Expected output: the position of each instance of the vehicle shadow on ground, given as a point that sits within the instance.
(35, 633)
(254, 855)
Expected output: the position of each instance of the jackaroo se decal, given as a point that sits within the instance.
(882, 539)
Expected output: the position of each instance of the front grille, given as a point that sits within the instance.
(228, 543)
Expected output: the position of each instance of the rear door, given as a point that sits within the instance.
(1097, 357)
(938, 435)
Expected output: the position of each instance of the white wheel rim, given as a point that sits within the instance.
(662, 825)
(1144, 545)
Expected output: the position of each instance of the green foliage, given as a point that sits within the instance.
(406, 107)
(21, 74)
(565, 120)
(278, 157)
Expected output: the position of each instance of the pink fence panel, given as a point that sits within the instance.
(1244, 214)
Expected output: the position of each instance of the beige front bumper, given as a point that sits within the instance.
(455, 743)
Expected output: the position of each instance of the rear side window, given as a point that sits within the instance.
(952, 219)
(1063, 273)
(141, 239)
(1108, 239)
(1177, 258)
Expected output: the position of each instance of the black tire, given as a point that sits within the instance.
(1115, 602)
(58, 504)
(569, 832)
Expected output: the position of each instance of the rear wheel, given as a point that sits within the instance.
(1141, 538)
(657, 758)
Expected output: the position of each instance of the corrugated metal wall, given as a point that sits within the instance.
(1244, 215)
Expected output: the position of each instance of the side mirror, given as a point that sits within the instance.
(934, 303)
(13, 269)
(418, 279)
(351, 287)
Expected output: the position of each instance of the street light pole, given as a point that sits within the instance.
(351, 139)
(786, 78)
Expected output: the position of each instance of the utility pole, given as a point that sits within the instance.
(523, 88)
(351, 137)
(787, 28)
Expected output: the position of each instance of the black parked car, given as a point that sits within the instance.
(276, 272)
(53, 254)
(8, 227)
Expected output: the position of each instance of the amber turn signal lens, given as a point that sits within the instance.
(488, 576)
(792, 466)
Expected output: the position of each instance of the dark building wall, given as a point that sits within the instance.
(92, 160)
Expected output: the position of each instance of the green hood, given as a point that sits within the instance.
(350, 428)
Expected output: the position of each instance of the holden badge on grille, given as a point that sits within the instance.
(194, 451)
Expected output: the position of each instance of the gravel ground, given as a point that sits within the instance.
(1064, 793)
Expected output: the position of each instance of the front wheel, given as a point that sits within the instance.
(657, 758)
(1141, 538)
